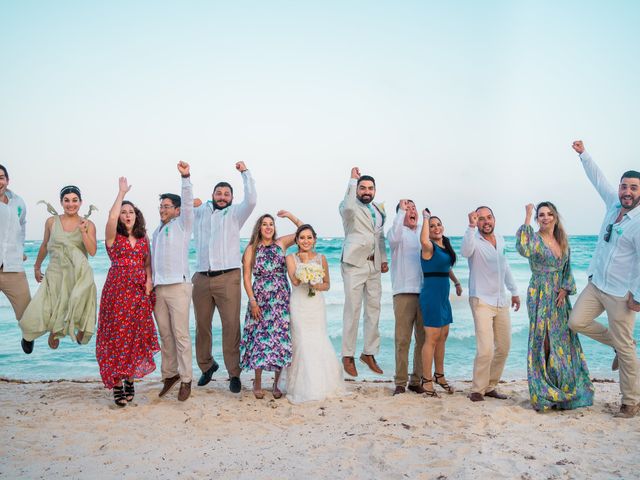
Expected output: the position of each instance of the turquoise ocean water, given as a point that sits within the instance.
(72, 361)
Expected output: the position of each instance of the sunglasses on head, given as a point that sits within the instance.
(607, 233)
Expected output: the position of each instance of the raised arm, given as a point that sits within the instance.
(247, 269)
(286, 241)
(425, 242)
(394, 235)
(348, 205)
(525, 243)
(112, 222)
(469, 239)
(42, 251)
(606, 191)
(186, 194)
(250, 199)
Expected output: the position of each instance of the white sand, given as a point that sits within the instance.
(73, 430)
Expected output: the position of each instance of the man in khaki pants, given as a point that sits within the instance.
(489, 273)
(614, 278)
(13, 281)
(216, 283)
(172, 283)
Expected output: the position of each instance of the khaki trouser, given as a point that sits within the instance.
(172, 316)
(222, 292)
(406, 309)
(15, 286)
(361, 283)
(493, 340)
(590, 304)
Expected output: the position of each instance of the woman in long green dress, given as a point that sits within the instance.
(556, 368)
(65, 303)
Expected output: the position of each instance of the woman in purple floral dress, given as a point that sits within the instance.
(266, 340)
(556, 368)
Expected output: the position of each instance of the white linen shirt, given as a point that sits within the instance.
(13, 221)
(406, 271)
(170, 247)
(489, 271)
(217, 232)
(615, 265)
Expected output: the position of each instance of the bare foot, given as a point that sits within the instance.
(257, 390)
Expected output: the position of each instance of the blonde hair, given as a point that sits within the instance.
(558, 230)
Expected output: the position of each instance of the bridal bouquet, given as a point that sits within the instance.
(311, 273)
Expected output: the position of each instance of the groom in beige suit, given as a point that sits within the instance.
(364, 257)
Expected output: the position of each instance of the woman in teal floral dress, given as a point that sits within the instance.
(556, 368)
(266, 339)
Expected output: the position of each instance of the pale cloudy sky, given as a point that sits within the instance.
(453, 104)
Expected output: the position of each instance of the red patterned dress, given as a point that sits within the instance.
(127, 338)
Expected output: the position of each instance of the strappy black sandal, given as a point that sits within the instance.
(428, 393)
(118, 396)
(448, 388)
(129, 390)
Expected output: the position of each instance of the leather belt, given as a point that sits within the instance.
(371, 258)
(216, 273)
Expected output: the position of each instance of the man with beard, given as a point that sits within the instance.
(364, 257)
(489, 273)
(216, 282)
(406, 282)
(614, 278)
(13, 220)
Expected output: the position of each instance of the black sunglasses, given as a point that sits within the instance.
(607, 234)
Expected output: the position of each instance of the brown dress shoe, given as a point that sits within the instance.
(628, 411)
(349, 365)
(476, 397)
(370, 361)
(399, 389)
(185, 391)
(417, 388)
(496, 394)
(168, 383)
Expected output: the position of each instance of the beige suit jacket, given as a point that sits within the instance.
(361, 237)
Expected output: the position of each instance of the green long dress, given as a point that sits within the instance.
(65, 302)
(561, 379)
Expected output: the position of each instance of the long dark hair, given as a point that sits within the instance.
(447, 245)
(139, 229)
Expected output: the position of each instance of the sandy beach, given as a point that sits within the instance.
(70, 429)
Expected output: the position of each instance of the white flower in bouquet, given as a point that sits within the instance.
(310, 273)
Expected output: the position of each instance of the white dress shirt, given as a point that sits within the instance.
(489, 271)
(217, 232)
(615, 265)
(170, 248)
(406, 271)
(13, 221)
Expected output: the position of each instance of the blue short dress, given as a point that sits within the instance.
(434, 296)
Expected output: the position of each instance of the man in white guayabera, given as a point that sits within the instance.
(406, 283)
(13, 220)
(172, 283)
(614, 278)
(489, 273)
(364, 258)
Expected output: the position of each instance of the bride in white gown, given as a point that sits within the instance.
(315, 372)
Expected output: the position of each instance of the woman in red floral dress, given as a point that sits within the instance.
(127, 338)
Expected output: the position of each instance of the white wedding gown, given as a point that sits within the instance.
(315, 372)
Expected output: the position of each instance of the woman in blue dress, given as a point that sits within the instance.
(437, 258)
(556, 368)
